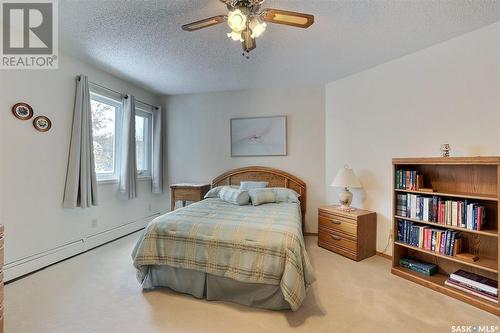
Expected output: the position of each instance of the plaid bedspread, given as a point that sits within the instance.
(261, 244)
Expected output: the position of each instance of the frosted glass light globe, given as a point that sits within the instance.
(257, 27)
(236, 20)
(236, 36)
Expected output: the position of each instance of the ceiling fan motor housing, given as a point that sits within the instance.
(252, 5)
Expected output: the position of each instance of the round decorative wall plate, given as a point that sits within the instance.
(42, 123)
(22, 111)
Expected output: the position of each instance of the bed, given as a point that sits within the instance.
(251, 255)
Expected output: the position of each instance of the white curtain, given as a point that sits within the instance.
(158, 137)
(81, 184)
(128, 164)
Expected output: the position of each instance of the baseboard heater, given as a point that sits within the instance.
(40, 260)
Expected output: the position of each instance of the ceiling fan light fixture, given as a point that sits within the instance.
(237, 20)
(248, 21)
(236, 36)
(257, 27)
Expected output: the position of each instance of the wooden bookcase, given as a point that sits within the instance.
(473, 178)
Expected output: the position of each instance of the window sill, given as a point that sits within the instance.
(107, 181)
(116, 181)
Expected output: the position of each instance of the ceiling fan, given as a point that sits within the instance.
(247, 21)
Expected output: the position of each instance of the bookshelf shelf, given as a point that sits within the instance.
(490, 265)
(476, 179)
(484, 197)
(486, 232)
(436, 282)
(460, 161)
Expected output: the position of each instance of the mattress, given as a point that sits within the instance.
(247, 244)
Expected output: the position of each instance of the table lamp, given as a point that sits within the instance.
(346, 178)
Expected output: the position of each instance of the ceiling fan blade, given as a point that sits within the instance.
(208, 22)
(295, 19)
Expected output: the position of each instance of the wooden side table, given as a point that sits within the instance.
(351, 234)
(187, 192)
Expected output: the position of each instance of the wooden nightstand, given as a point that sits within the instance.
(351, 234)
(187, 192)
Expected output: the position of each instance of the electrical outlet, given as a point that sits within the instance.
(150, 207)
(94, 223)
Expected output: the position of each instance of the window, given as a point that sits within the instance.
(143, 141)
(104, 127)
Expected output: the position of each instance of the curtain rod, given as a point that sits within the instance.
(121, 94)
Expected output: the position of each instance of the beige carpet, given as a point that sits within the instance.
(98, 292)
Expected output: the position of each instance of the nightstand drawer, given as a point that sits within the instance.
(338, 224)
(333, 239)
(338, 217)
(187, 195)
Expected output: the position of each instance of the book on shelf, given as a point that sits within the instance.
(477, 281)
(401, 204)
(445, 242)
(409, 180)
(418, 266)
(457, 213)
(474, 284)
(472, 291)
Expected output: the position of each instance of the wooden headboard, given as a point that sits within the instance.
(275, 178)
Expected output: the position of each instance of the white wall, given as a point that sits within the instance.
(407, 107)
(33, 168)
(199, 144)
(448, 93)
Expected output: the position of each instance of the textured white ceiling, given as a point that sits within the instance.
(142, 41)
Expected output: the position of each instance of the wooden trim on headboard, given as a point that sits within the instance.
(275, 178)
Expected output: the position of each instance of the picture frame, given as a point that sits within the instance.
(22, 111)
(42, 124)
(258, 136)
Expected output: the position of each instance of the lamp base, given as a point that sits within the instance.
(345, 199)
(346, 208)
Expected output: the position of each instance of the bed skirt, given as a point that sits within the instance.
(215, 288)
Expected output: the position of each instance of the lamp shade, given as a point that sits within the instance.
(346, 178)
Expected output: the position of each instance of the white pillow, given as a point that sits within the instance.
(261, 196)
(214, 192)
(234, 196)
(248, 185)
(284, 194)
